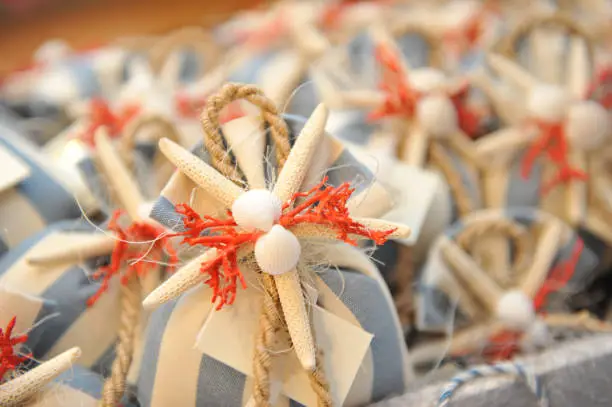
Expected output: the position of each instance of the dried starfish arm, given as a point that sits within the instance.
(576, 191)
(205, 176)
(579, 68)
(288, 284)
(118, 175)
(509, 70)
(185, 278)
(90, 245)
(464, 146)
(362, 98)
(506, 141)
(296, 315)
(325, 232)
(416, 145)
(17, 391)
(546, 250)
(470, 273)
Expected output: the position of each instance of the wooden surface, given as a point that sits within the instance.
(97, 22)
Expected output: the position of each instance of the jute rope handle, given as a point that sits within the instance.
(213, 140)
(131, 309)
(508, 47)
(271, 320)
(517, 233)
(196, 38)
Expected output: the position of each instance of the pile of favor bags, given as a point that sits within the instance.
(314, 203)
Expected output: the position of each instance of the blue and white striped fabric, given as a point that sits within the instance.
(65, 289)
(436, 304)
(476, 372)
(34, 202)
(173, 372)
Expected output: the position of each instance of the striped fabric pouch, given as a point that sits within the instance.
(444, 294)
(32, 193)
(33, 316)
(69, 321)
(363, 297)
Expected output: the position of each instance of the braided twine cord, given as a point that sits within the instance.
(560, 19)
(271, 320)
(517, 234)
(131, 307)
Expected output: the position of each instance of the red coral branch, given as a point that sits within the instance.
(102, 115)
(155, 244)
(191, 107)
(553, 143)
(9, 360)
(323, 205)
(600, 89)
(400, 97)
(467, 118)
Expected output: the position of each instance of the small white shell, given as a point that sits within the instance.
(515, 309)
(588, 125)
(437, 115)
(57, 86)
(256, 209)
(548, 102)
(427, 80)
(278, 251)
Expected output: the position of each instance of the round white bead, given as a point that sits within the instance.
(256, 209)
(588, 125)
(427, 80)
(548, 102)
(278, 251)
(515, 309)
(437, 115)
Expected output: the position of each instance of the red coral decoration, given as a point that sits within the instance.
(154, 244)
(322, 205)
(401, 99)
(600, 89)
(102, 115)
(9, 360)
(553, 143)
(263, 36)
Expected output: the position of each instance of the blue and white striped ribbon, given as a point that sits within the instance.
(493, 370)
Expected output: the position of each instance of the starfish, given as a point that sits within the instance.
(277, 250)
(560, 125)
(115, 242)
(514, 312)
(19, 389)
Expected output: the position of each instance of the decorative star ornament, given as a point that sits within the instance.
(562, 128)
(272, 226)
(119, 242)
(511, 313)
(18, 389)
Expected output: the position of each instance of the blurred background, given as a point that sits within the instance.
(27, 24)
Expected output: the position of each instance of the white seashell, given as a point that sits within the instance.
(278, 251)
(587, 125)
(437, 115)
(52, 51)
(427, 80)
(144, 210)
(256, 209)
(548, 102)
(515, 309)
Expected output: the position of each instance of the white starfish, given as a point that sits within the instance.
(17, 391)
(277, 252)
(505, 308)
(586, 125)
(128, 194)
